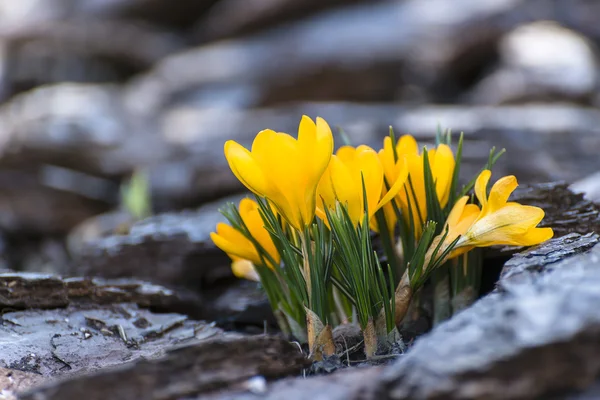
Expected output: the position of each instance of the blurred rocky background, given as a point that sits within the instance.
(93, 90)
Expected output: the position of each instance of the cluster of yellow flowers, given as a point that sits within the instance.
(303, 181)
(301, 177)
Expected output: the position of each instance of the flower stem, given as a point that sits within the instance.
(441, 295)
(402, 298)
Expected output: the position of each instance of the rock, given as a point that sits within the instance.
(540, 61)
(543, 142)
(173, 249)
(533, 338)
(343, 384)
(184, 372)
(49, 200)
(239, 304)
(13, 381)
(589, 186)
(79, 50)
(159, 12)
(523, 265)
(20, 290)
(234, 17)
(566, 212)
(85, 338)
(370, 52)
(30, 12)
(75, 126)
(63, 148)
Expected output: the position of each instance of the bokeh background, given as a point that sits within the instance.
(92, 90)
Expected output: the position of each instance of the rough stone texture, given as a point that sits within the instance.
(85, 338)
(589, 186)
(566, 212)
(13, 381)
(234, 17)
(361, 60)
(79, 50)
(238, 304)
(82, 127)
(533, 338)
(184, 372)
(522, 265)
(343, 384)
(543, 142)
(540, 61)
(172, 249)
(30, 290)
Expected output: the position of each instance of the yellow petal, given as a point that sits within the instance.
(500, 192)
(326, 190)
(244, 269)
(457, 211)
(234, 243)
(397, 186)
(505, 226)
(386, 157)
(442, 169)
(347, 188)
(481, 187)
(372, 173)
(251, 216)
(536, 236)
(468, 217)
(407, 145)
(246, 169)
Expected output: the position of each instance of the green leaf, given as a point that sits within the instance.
(136, 197)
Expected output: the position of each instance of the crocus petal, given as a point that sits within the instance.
(407, 145)
(397, 186)
(504, 227)
(386, 157)
(457, 211)
(251, 217)
(500, 192)
(468, 217)
(244, 269)
(245, 168)
(536, 236)
(234, 243)
(442, 168)
(372, 174)
(481, 187)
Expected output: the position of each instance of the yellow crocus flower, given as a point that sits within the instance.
(239, 248)
(501, 222)
(441, 162)
(343, 182)
(285, 170)
(498, 222)
(244, 269)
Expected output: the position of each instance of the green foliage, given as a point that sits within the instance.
(136, 196)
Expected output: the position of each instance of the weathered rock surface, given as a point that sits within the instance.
(533, 338)
(543, 142)
(20, 290)
(172, 249)
(79, 50)
(341, 385)
(234, 17)
(186, 371)
(566, 212)
(82, 127)
(589, 186)
(540, 61)
(363, 58)
(84, 338)
(13, 381)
